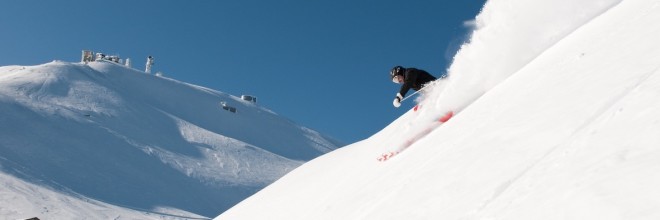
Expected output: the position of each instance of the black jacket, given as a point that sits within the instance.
(414, 79)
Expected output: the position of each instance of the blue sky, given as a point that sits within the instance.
(322, 64)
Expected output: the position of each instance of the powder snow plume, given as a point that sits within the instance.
(508, 34)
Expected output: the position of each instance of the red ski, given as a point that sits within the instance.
(386, 156)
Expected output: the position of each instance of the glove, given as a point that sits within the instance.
(397, 100)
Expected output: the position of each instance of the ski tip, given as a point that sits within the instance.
(386, 156)
(446, 117)
(416, 108)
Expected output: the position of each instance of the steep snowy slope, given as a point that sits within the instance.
(118, 136)
(573, 134)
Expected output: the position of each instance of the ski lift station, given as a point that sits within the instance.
(249, 98)
(228, 107)
(90, 56)
(232, 109)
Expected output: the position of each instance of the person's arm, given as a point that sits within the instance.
(409, 79)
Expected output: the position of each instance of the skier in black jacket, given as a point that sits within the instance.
(410, 78)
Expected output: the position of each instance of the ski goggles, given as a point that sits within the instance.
(396, 79)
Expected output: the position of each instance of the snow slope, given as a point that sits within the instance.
(563, 127)
(111, 142)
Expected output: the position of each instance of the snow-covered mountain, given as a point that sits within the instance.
(102, 141)
(558, 117)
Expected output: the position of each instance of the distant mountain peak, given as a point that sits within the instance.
(117, 136)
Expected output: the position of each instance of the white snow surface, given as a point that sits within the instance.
(103, 141)
(558, 117)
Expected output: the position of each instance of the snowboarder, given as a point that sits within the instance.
(410, 78)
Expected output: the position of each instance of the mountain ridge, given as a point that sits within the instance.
(123, 137)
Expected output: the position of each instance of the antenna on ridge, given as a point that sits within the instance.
(150, 62)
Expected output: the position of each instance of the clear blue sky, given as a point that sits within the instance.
(322, 64)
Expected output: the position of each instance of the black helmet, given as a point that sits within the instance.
(396, 71)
